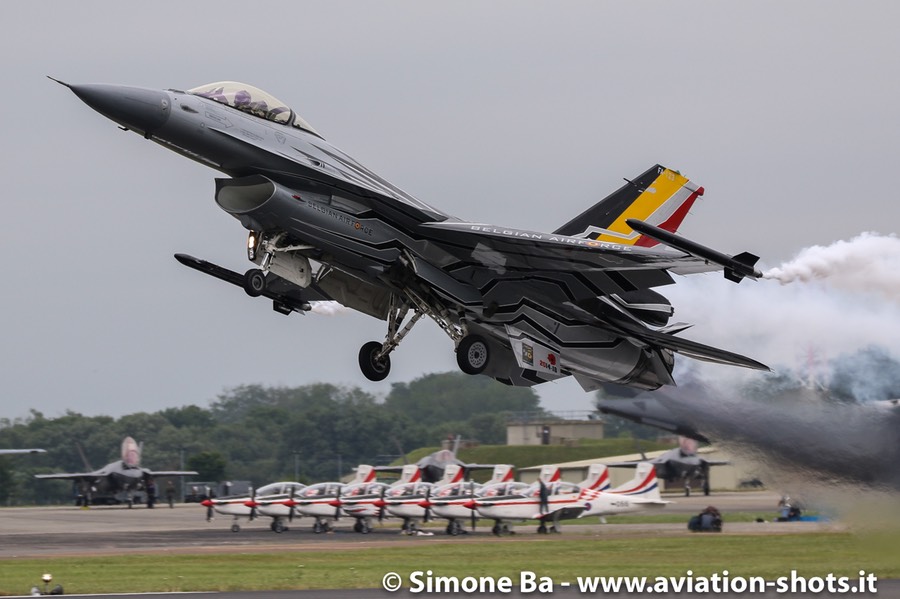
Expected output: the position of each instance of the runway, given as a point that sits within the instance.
(60, 531)
(65, 531)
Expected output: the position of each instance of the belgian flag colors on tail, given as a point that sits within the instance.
(659, 196)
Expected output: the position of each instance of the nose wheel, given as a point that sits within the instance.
(374, 363)
(254, 282)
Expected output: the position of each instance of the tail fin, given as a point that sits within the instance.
(453, 473)
(549, 474)
(660, 196)
(364, 474)
(503, 473)
(410, 474)
(644, 483)
(597, 478)
(131, 453)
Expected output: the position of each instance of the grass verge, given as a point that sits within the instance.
(814, 554)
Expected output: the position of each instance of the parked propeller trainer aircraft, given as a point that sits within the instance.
(523, 307)
(551, 500)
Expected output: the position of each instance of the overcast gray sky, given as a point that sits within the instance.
(514, 113)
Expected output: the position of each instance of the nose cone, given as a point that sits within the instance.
(136, 108)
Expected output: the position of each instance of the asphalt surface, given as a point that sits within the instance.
(67, 530)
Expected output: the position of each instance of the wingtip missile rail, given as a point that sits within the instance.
(736, 267)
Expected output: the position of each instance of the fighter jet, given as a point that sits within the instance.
(681, 463)
(433, 466)
(521, 306)
(122, 476)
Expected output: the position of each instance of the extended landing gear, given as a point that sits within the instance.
(254, 282)
(455, 528)
(501, 528)
(235, 527)
(321, 526)
(362, 527)
(373, 364)
(472, 354)
(542, 529)
(278, 526)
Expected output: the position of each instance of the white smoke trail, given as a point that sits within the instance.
(327, 308)
(869, 262)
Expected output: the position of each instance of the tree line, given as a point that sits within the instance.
(263, 434)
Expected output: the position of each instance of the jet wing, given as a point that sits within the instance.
(633, 464)
(69, 476)
(504, 249)
(553, 269)
(170, 473)
(286, 296)
(21, 451)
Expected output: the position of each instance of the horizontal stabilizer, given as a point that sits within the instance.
(632, 328)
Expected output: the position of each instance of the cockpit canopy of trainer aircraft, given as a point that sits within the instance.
(252, 100)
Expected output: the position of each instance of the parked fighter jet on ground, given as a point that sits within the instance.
(433, 466)
(122, 476)
(681, 463)
(523, 307)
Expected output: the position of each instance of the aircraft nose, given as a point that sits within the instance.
(136, 108)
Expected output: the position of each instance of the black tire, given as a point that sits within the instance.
(279, 527)
(235, 528)
(372, 369)
(254, 282)
(473, 354)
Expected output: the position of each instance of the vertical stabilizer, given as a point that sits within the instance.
(549, 474)
(131, 453)
(597, 478)
(364, 474)
(410, 474)
(503, 473)
(453, 473)
(644, 483)
(660, 196)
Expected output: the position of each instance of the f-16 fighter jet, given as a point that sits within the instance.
(523, 307)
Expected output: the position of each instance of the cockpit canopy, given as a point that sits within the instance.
(252, 100)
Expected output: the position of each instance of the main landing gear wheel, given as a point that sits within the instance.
(235, 528)
(374, 369)
(254, 282)
(472, 354)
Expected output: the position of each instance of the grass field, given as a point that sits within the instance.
(561, 558)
